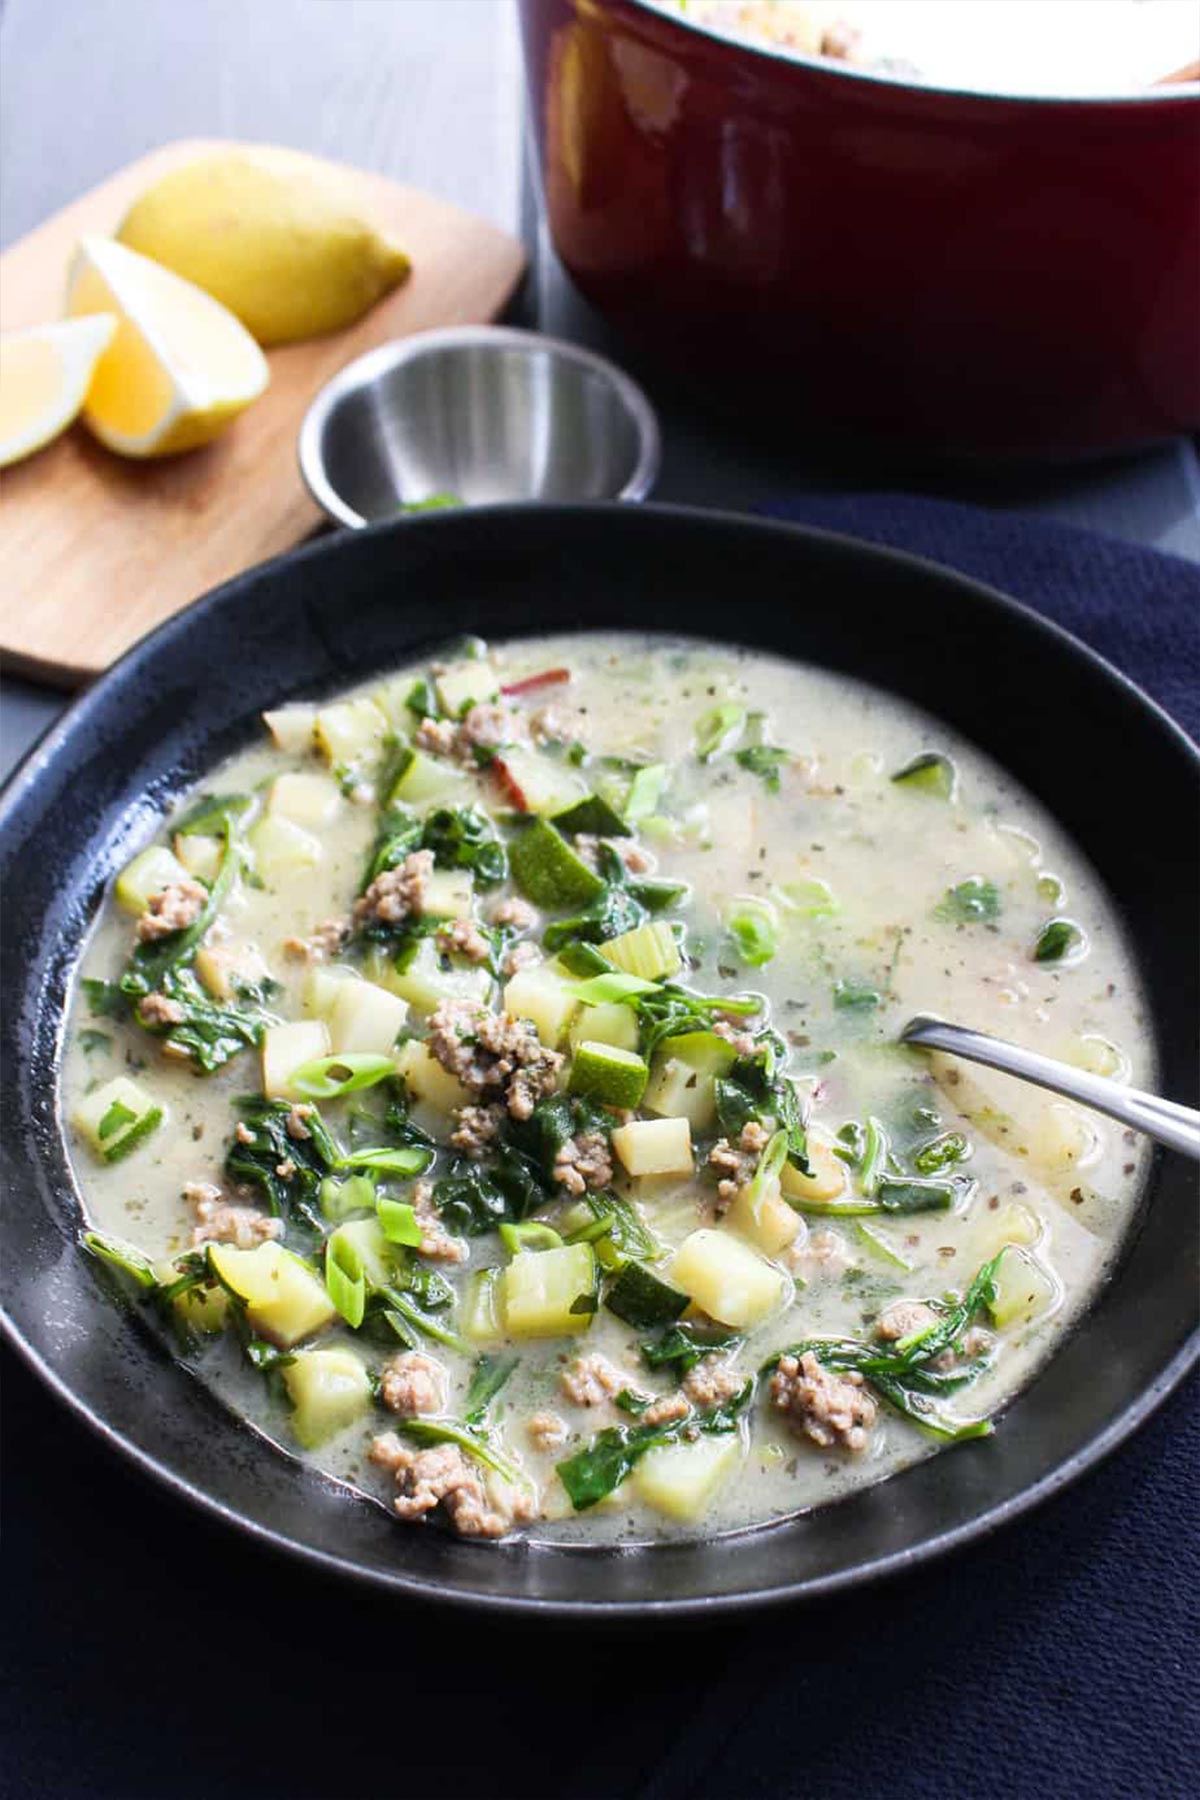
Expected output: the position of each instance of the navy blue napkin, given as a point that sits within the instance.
(1138, 607)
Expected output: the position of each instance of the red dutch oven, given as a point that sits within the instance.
(951, 271)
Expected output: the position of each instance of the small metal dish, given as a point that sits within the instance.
(478, 414)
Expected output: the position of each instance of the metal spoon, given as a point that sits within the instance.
(1176, 1126)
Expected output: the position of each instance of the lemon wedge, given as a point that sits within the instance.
(179, 369)
(44, 374)
(278, 237)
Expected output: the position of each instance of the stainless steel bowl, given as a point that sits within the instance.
(481, 413)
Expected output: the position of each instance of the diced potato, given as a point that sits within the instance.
(329, 1389)
(285, 1300)
(1025, 1289)
(224, 967)
(538, 993)
(1011, 1224)
(535, 783)
(322, 985)
(545, 1292)
(828, 1178)
(609, 1023)
(447, 894)
(676, 1089)
(681, 1479)
(1067, 1139)
(293, 728)
(115, 1117)
(148, 874)
(466, 684)
(768, 1221)
(349, 731)
(285, 1048)
(200, 855)
(312, 801)
(430, 1086)
(281, 848)
(365, 1018)
(424, 983)
(426, 781)
(654, 1147)
(730, 1281)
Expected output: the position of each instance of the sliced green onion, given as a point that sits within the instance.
(769, 1165)
(874, 1159)
(646, 791)
(398, 1221)
(329, 1077)
(412, 1315)
(1059, 939)
(716, 728)
(398, 1159)
(811, 898)
(122, 1256)
(532, 1235)
(338, 1199)
(117, 1115)
(601, 990)
(932, 772)
(875, 1241)
(344, 1278)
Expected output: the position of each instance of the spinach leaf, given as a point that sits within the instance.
(460, 837)
(855, 996)
(682, 1346)
(474, 1197)
(614, 911)
(263, 1146)
(209, 1032)
(487, 1378)
(765, 761)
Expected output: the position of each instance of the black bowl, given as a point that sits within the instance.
(1094, 750)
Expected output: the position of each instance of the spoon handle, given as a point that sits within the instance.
(1176, 1126)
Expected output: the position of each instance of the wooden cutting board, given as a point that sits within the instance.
(95, 549)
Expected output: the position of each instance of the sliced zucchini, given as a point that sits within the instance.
(285, 1299)
(929, 773)
(608, 1023)
(427, 978)
(423, 781)
(549, 1293)
(329, 1390)
(535, 784)
(116, 1118)
(148, 874)
(1025, 1289)
(547, 870)
(609, 1076)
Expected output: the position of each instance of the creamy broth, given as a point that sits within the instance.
(845, 901)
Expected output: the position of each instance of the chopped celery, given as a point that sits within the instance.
(481, 1320)
(398, 1222)
(651, 952)
(530, 1234)
(547, 870)
(339, 1199)
(363, 1244)
(607, 1075)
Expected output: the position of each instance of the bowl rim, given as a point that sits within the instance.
(395, 353)
(889, 1564)
(1155, 93)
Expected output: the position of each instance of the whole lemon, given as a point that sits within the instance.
(276, 236)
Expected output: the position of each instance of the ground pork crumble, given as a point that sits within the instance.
(825, 1253)
(477, 1129)
(445, 1476)
(521, 956)
(739, 1040)
(591, 1380)
(547, 1431)
(584, 1162)
(436, 1241)
(324, 942)
(396, 894)
(156, 1009)
(516, 913)
(486, 726)
(493, 1052)
(711, 1383)
(174, 908)
(828, 1407)
(735, 1164)
(665, 1410)
(412, 1383)
(462, 937)
(219, 1221)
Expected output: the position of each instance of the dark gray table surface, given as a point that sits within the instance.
(149, 1651)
